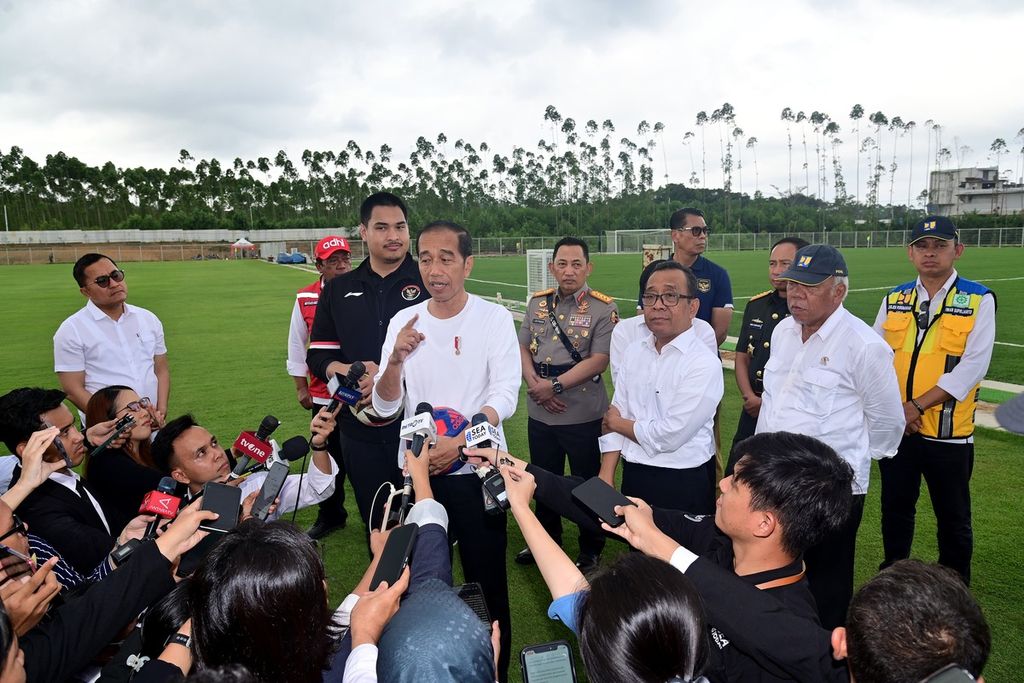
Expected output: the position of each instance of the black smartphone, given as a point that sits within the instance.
(548, 663)
(226, 501)
(473, 595)
(395, 555)
(270, 490)
(60, 448)
(601, 499)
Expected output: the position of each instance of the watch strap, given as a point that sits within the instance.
(179, 639)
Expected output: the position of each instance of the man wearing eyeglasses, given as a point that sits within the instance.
(333, 258)
(661, 419)
(941, 327)
(110, 342)
(830, 376)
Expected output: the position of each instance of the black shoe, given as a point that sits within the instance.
(323, 527)
(587, 563)
(525, 557)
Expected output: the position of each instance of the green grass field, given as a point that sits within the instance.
(226, 326)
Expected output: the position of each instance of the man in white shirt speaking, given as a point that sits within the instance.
(662, 415)
(459, 351)
(831, 377)
(110, 342)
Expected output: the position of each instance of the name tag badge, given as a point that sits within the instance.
(577, 320)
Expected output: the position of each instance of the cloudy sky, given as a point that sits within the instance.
(135, 82)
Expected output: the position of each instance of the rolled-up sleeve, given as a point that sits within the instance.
(68, 351)
(382, 406)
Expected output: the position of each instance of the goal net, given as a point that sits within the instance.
(538, 276)
(634, 241)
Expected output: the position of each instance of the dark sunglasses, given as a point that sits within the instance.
(696, 230)
(103, 281)
(922, 316)
(135, 406)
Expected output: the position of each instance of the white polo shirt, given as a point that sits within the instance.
(111, 352)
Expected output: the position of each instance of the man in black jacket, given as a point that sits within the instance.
(745, 561)
(351, 321)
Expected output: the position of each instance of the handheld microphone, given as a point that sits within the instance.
(482, 434)
(162, 503)
(348, 387)
(294, 449)
(252, 447)
(420, 427)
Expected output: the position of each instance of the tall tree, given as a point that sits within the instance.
(787, 116)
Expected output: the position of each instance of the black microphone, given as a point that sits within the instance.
(348, 386)
(294, 449)
(418, 439)
(162, 503)
(262, 436)
(480, 419)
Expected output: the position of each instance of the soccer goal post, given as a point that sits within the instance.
(634, 241)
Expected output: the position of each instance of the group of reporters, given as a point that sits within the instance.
(723, 594)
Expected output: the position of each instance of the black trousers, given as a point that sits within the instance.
(333, 509)
(483, 541)
(830, 568)
(368, 466)
(549, 446)
(946, 468)
(690, 489)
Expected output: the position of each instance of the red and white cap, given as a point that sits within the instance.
(329, 245)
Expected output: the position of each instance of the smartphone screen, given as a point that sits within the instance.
(548, 663)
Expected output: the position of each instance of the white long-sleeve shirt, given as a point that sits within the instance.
(316, 487)
(628, 330)
(839, 386)
(672, 397)
(977, 355)
(298, 340)
(465, 362)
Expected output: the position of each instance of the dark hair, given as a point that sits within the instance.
(797, 242)
(642, 620)
(801, 480)
(570, 241)
(380, 199)
(259, 599)
(912, 619)
(83, 262)
(162, 449)
(465, 241)
(232, 673)
(7, 635)
(101, 407)
(678, 217)
(163, 619)
(20, 410)
(691, 279)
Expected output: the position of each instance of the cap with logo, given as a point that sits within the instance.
(939, 227)
(329, 245)
(814, 264)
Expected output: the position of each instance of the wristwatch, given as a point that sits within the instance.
(179, 639)
(556, 385)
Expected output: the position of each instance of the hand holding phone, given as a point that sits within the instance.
(395, 556)
(600, 498)
(226, 501)
(548, 663)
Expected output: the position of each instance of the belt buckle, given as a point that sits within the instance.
(545, 370)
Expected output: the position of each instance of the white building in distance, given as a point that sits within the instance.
(973, 190)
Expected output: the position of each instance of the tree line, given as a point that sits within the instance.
(583, 178)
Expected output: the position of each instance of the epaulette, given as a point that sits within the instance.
(600, 297)
(762, 294)
(543, 292)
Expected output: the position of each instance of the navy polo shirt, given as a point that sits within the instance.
(714, 290)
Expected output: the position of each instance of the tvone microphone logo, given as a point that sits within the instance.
(248, 445)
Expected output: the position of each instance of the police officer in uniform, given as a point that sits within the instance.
(565, 342)
(753, 348)
(941, 328)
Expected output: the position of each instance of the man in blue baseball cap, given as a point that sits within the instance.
(831, 377)
(941, 328)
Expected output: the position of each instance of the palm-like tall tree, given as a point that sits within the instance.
(787, 116)
(800, 119)
(702, 119)
(752, 146)
(909, 127)
(856, 114)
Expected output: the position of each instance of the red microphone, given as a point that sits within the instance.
(251, 447)
(162, 503)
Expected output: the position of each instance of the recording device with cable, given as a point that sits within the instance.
(120, 427)
(348, 391)
(254, 447)
(482, 434)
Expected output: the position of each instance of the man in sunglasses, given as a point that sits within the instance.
(941, 328)
(110, 342)
(661, 419)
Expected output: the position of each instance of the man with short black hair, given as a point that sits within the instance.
(333, 257)
(564, 345)
(911, 621)
(350, 324)
(941, 328)
(831, 377)
(661, 417)
(109, 342)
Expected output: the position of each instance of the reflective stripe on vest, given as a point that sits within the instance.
(920, 364)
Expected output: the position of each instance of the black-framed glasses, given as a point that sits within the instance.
(135, 406)
(18, 528)
(696, 230)
(670, 299)
(103, 281)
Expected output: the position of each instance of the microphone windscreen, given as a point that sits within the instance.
(356, 370)
(167, 485)
(479, 419)
(294, 448)
(424, 407)
(267, 427)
